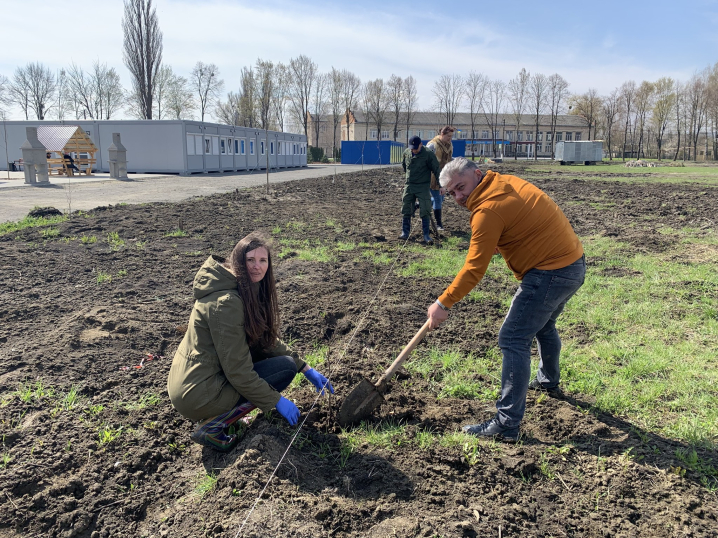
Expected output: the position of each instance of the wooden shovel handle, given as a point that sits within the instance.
(404, 354)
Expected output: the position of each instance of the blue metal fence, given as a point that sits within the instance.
(372, 152)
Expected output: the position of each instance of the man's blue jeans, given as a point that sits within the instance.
(540, 299)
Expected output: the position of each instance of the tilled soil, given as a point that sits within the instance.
(93, 448)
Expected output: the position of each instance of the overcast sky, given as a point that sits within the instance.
(591, 44)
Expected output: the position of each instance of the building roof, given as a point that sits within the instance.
(59, 137)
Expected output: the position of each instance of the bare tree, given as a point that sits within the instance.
(628, 96)
(142, 51)
(207, 85)
(228, 112)
(644, 105)
(663, 109)
(4, 92)
(180, 99)
(351, 91)
(610, 108)
(474, 90)
(538, 91)
(33, 88)
(696, 93)
(248, 100)
(377, 100)
(712, 110)
(518, 89)
(492, 106)
(410, 103)
(395, 91)
(279, 94)
(162, 86)
(678, 115)
(587, 106)
(557, 95)
(335, 104)
(264, 77)
(303, 75)
(448, 95)
(318, 103)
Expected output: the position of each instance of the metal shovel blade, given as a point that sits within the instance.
(360, 403)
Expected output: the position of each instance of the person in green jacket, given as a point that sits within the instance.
(231, 360)
(418, 164)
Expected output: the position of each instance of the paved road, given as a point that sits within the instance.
(16, 199)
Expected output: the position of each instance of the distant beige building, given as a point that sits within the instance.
(426, 125)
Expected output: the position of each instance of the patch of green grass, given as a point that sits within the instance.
(205, 485)
(121, 273)
(115, 241)
(345, 247)
(386, 434)
(30, 222)
(34, 392)
(49, 233)
(71, 399)
(452, 374)
(276, 230)
(107, 434)
(379, 258)
(653, 334)
(103, 277)
(176, 233)
(616, 171)
(424, 438)
(145, 400)
(5, 460)
(296, 226)
(88, 240)
(314, 358)
(140, 245)
(94, 410)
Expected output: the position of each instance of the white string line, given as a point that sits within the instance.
(319, 394)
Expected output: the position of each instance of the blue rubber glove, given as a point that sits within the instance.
(288, 410)
(318, 380)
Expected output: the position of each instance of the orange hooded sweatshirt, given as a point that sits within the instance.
(528, 227)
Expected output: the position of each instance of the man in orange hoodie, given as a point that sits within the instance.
(516, 219)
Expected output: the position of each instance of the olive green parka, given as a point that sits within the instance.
(213, 366)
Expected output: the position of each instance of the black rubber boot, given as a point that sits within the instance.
(437, 216)
(425, 226)
(405, 228)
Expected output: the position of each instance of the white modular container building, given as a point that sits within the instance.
(175, 146)
(585, 151)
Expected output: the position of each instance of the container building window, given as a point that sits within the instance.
(236, 146)
(251, 146)
(208, 146)
(261, 147)
(223, 145)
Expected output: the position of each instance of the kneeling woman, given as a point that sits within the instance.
(231, 359)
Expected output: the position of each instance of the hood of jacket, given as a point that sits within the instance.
(213, 277)
(491, 186)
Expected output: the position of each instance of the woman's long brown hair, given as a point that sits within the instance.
(261, 310)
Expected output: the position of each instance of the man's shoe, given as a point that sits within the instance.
(493, 429)
(554, 392)
(403, 236)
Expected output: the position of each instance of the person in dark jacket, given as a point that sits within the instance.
(231, 360)
(418, 164)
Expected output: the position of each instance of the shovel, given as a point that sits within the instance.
(366, 396)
